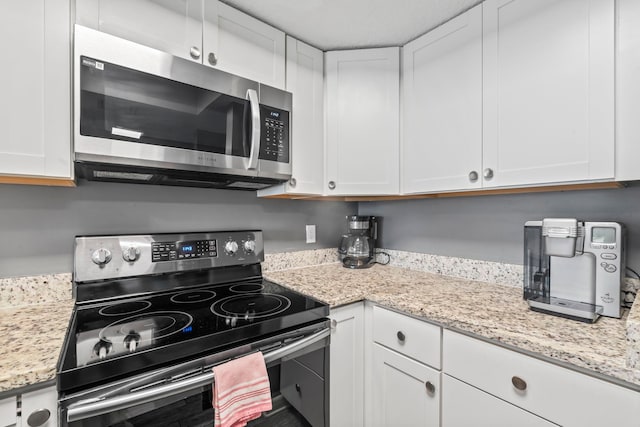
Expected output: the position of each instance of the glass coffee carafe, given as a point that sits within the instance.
(357, 247)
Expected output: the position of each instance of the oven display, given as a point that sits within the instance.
(172, 251)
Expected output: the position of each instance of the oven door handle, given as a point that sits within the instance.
(91, 408)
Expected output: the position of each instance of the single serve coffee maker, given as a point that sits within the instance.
(357, 247)
(573, 268)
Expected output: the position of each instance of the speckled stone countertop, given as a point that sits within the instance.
(34, 316)
(495, 312)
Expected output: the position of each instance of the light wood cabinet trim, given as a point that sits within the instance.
(488, 192)
(32, 180)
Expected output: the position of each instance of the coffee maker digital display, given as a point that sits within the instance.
(573, 268)
(357, 247)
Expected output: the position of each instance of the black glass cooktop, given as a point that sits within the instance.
(119, 338)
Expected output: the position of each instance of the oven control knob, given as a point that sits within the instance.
(101, 256)
(231, 247)
(249, 246)
(131, 254)
(102, 349)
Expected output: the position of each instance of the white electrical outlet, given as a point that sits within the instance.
(311, 233)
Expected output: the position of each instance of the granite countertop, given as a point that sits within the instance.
(34, 317)
(35, 313)
(493, 312)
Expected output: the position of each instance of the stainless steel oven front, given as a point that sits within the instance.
(137, 107)
(180, 395)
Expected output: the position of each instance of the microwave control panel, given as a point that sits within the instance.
(274, 134)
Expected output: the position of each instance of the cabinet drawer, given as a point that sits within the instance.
(481, 409)
(414, 338)
(555, 393)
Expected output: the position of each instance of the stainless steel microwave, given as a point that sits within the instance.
(145, 116)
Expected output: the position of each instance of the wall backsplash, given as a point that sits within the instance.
(38, 224)
(491, 227)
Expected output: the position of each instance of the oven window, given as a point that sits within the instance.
(123, 104)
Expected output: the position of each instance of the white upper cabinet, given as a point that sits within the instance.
(442, 114)
(305, 81)
(204, 31)
(35, 82)
(548, 70)
(173, 26)
(362, 122)
(628, 90)
(245, 46)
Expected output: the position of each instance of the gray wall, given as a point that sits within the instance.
(491, 227)
(38, 224)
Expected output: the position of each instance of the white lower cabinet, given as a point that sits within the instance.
(557, 394)
(405, 393)
(40, 408)
(346, 403)
(464, 405)
(8, 411)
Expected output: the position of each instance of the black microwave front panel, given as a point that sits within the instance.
(119, 103)
(274, 134)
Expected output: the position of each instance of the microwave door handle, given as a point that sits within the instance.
(252, 96)
(92, 408)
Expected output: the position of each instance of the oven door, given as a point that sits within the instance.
(143, 108)
(298, 369)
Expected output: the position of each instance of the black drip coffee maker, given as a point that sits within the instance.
(357, 247)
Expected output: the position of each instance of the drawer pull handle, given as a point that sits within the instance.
(431, 389)
(400, 336)
(519, 383)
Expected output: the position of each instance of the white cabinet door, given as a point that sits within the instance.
(244, 46)
(548, 91)
(173, 26)
(362, 122)
(8, 411)
(405, 393)
(463, 406)
(41, 407)
(305, 80)
(347, 372)
(441, 148)
(627, 90)
(35, 106)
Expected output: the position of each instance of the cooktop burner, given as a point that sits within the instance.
(121, 308)
(193, 297)
(251, 306)
(246, 287)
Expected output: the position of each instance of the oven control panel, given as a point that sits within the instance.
(109, 257)
(171, 251)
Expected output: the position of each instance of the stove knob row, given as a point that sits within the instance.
(101, 256)
(131, 254)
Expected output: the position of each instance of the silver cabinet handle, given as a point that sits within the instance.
(332, 185)
(519, 383)
(92, 408)
(252, 96)
(473, 176)
(213, 59)
(293, 182)
(194, 52)
(488, 173)
(431, 389)
(38, 418)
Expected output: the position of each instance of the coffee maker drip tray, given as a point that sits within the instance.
(575, 310)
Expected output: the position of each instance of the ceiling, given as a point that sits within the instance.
(346, 24)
